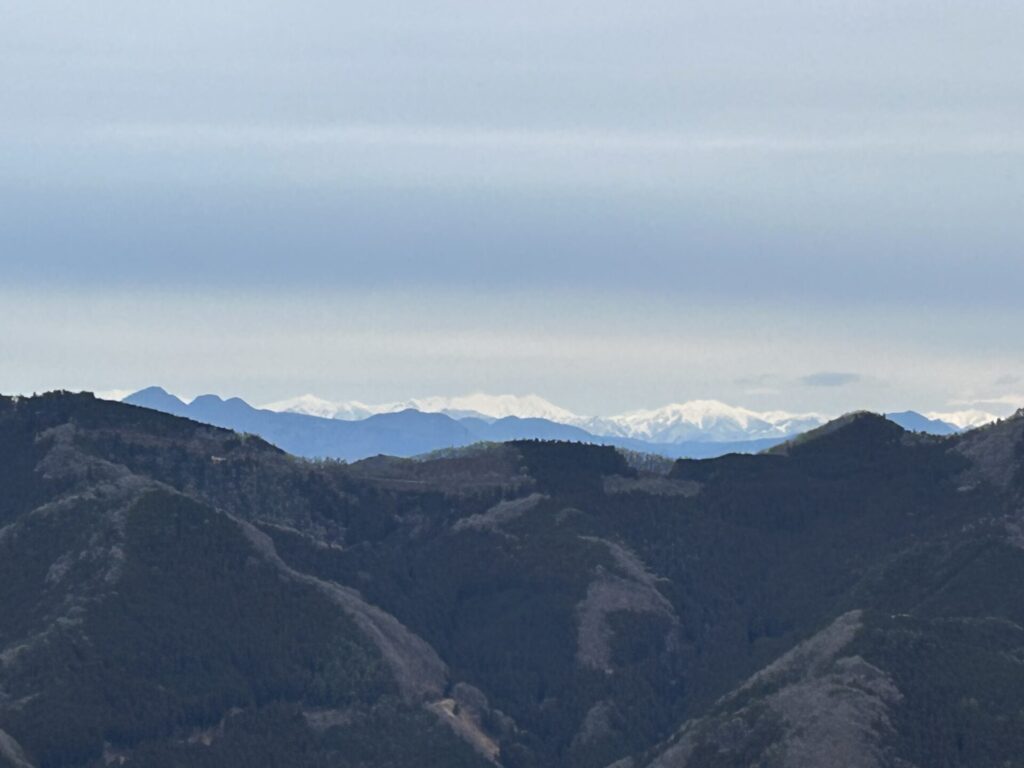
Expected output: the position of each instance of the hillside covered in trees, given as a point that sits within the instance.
(174, 594)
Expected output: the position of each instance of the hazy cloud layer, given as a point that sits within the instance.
(578, 350)
(728, 160)
(706, 148)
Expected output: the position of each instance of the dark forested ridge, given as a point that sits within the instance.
(174, 594)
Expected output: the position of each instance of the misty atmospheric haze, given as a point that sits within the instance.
(613, 206)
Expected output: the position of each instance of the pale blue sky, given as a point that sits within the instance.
(610, 204)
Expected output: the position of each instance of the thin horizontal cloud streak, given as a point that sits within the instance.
(1012, 400)
(526, 139)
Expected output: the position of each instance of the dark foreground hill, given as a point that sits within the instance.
(173, 594)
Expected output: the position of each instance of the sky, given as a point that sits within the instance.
(798, 205)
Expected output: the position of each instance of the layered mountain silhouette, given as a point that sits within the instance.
(692, 421)
(916, 422)
(411, 432)
(404, 433)
(178, 594)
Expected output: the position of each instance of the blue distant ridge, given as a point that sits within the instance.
(412, 433)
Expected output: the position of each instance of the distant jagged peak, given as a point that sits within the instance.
(160, 399)
(529, 406)
(912, 421)
(210, 397)
(218, 404)
(153, 391)
(156, 398)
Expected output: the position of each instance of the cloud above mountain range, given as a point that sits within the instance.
(611, 203)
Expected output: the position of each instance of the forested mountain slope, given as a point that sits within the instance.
(177, 594)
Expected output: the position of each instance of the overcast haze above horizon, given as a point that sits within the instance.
(808, 206)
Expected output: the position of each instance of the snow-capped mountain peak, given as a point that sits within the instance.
(707, 420)
(496, 407)
(311, 405)
(964, 419)
(698, 412)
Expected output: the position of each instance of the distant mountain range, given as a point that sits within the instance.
(476, 405)
(315, 428)
(696, 420)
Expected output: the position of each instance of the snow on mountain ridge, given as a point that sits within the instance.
(476, 404)
(497, 406)
(964, 419)
(694, 420)
(311, 405)
(709, 420)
